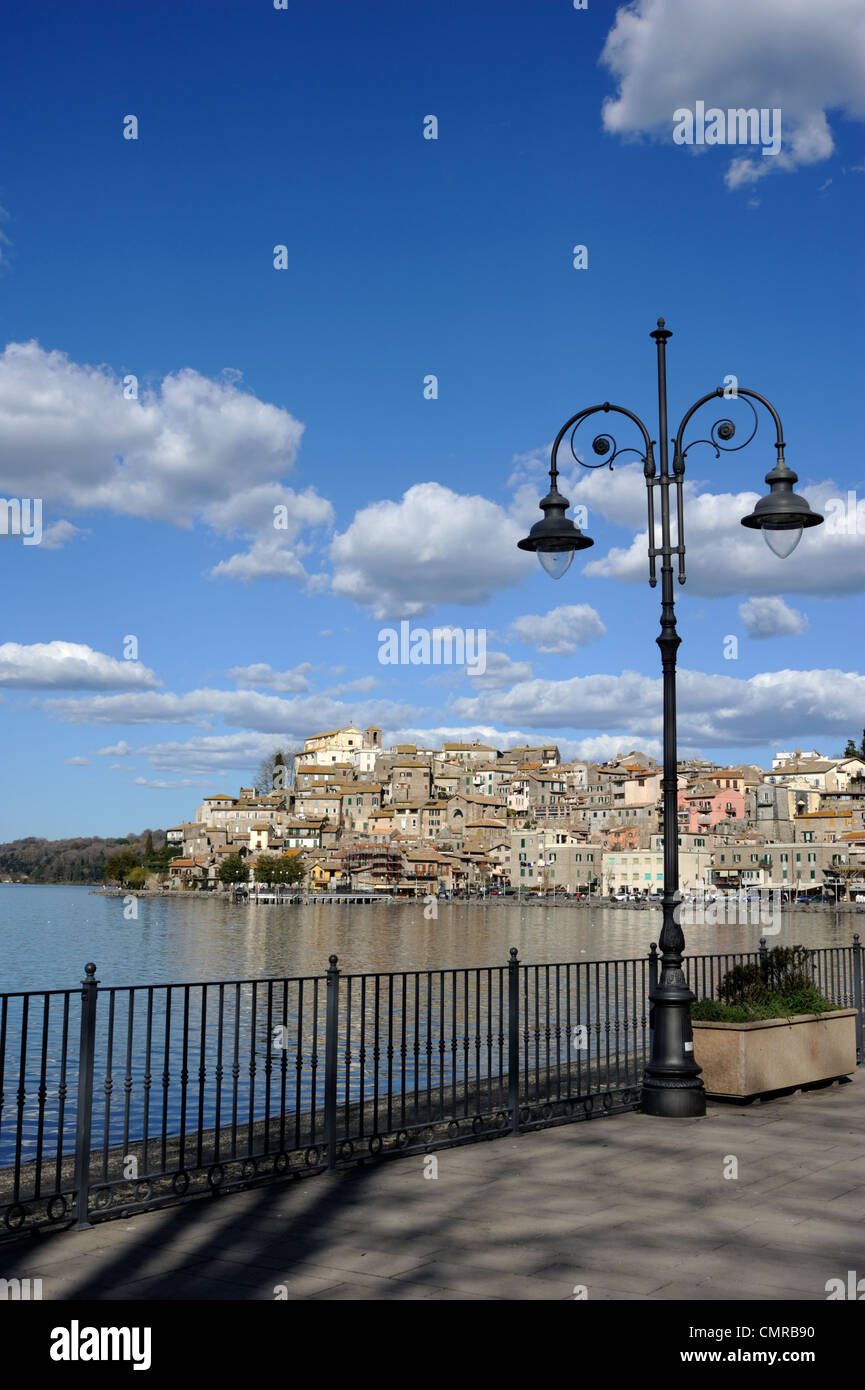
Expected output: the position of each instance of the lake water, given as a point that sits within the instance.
(47, 934)
(407, 1027)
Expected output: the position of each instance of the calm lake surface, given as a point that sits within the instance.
(47, 934)
(160, 1053)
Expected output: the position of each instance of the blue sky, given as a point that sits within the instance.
(303, 387)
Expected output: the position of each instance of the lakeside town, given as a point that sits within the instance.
(346, 814)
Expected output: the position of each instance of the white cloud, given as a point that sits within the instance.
(360, 686)
(275, 552)
(771, 617)
(434, 546)
(713, 710)
(77, 762)
(195, 451)
(69, 666)
(501, 670)
(115, 750)
(159, 785)
(60, 533)
(261, 674)
(801, 57)
(561, 630)
(289, 718)
(212, 755)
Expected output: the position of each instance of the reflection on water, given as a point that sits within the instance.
(47, 934)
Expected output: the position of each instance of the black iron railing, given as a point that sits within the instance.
(118, 1099)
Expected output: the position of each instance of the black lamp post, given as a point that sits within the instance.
(671, 1083)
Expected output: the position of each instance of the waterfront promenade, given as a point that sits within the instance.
(624, 1207)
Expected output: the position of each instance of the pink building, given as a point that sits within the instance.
(705, 804)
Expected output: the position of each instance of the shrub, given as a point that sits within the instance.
(780, 985)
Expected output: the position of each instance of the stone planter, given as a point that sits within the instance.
(749, 1059)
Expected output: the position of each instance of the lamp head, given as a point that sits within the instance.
(555, 538)
(783, 514)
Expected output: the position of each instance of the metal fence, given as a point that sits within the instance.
(119, 1099)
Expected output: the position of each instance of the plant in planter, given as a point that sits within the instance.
(770, 1029)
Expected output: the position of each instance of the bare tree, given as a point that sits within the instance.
(264, 778)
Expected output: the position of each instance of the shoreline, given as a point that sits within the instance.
(497, 900)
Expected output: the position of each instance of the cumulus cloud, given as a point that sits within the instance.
(77, 762)
(115, 750)
(804, 58)
(500, 671)
(713, 710)
(291, 718)
(175, 454)
(434, 546)
(69, 666)
(771, 617)
(60, 533)
(561, 630)
(262, 674)
(211, 755)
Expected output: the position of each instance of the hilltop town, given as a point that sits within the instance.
(408, 821)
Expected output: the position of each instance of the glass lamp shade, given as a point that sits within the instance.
(782, 541)
(556, 562)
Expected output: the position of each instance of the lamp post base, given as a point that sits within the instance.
(685, 1101)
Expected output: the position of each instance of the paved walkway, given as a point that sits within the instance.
(627, 1206)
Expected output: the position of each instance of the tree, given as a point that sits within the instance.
(288, 870)
(263, 780)
(233, 869)
(137, 877)
(851, 751)
(119, 866)
(148, 846)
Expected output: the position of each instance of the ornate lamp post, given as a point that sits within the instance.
(671, 1083)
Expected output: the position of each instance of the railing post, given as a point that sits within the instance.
(859, 1001)
(331, 1042)
(653, 983)
(764, 953)
(514, 1040)
(84, 1112)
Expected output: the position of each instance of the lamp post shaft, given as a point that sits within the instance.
(671, 1084)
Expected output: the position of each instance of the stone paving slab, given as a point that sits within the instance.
(632, 1207)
